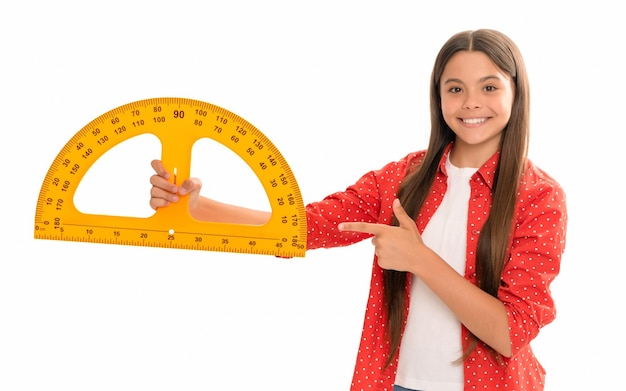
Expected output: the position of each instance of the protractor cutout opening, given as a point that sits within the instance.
(226, 177)
(118, 183)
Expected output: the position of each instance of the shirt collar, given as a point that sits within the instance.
(486, 171)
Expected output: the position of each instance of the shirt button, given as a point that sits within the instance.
(475, 232)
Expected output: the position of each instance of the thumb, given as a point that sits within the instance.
(192, 187)
(404, 220)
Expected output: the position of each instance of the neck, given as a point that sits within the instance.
(470, 156)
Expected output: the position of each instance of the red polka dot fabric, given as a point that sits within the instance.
(536, 246)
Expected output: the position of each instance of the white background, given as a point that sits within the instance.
(340, 87)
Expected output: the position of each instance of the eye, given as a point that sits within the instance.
(490, 88)
(454, 90)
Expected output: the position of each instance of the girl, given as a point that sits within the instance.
(468, 234)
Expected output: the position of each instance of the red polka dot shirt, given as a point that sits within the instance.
(535, 252)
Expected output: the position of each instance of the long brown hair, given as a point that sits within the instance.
(493, 243)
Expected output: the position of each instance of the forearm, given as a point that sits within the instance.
(482, 314)
(210, 210)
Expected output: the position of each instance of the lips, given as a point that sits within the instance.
(473, 121)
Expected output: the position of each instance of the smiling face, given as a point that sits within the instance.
(476, 102)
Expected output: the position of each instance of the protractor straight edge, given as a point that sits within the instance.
(178, 123)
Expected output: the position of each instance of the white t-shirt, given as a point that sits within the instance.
(431, 344)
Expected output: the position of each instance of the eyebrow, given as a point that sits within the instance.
(482, 79)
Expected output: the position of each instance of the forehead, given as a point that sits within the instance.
(470, 66)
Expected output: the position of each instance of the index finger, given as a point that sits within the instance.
(157, 165)
(368, 228)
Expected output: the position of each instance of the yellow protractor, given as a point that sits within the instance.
(178, 123)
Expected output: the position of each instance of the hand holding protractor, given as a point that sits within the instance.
(178, 123)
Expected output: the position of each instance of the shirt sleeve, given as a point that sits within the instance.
(537, 245)
(368, 200)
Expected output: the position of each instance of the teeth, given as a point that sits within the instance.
(474, 120)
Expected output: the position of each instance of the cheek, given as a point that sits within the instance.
(500, 105)
(507, 102)
(449, 117)
(505, 109)
(447, 108)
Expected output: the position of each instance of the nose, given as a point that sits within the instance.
(471, 101)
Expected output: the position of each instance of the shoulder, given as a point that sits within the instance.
(402, 165)
(536, 180)
(539, 190)
(412, 160)
(392, 173)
